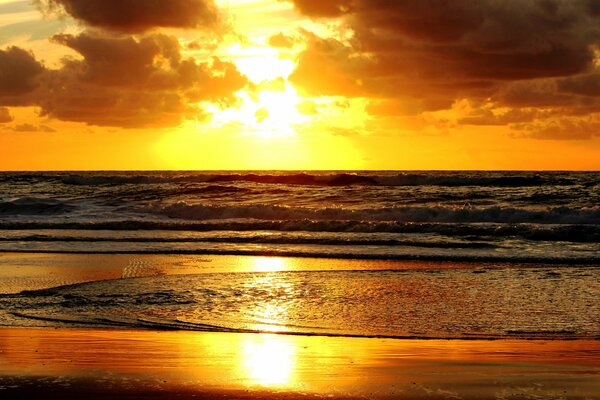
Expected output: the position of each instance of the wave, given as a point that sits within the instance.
(553, 259)
(34, 206)
(262, 240)
(556, 215)
(332, 179)
(570, 233)
(91, 180)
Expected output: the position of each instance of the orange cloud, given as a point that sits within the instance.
(32, 128)
(329, 8)
(138, 15)
(5, 115)
(280, 40)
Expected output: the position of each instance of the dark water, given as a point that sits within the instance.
(552, 217)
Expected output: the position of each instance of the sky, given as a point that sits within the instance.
(299, 84)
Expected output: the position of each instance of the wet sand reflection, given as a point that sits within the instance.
(337, 366)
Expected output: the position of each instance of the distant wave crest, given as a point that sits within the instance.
(548, 232)
(333, 179)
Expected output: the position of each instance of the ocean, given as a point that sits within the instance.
(462, 254)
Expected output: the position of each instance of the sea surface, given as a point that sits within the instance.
(532, 240)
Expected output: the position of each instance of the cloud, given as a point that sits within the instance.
(562, 128)
(261, 114)
(393, 107)
(280, 40)
(32, 128)
(127, 82)
(475, 39)
(417, 56)
(130, 82)
(328, 8)
(584, 85)
(326, 68)
(138, 15)
(19, 76)
(5, 115)
(307, 107)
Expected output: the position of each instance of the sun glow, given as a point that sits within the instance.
(267, 114)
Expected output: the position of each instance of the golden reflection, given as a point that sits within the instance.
(270, 313)
(269, 360)
(270, 264)
(366, 368)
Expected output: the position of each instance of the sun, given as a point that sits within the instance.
(270, 113)
(269, 107)
(277, 112)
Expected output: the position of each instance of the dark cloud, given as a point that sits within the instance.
(430, 53)
(584, 85)
(325, 8)
(126, 82)
(130, 82)
(549, 94)
(562, 128)
(394, 107)
(19, 76)
(458, 39)
(5, 115)
(138, 15)
(490, 116)
(329, 67)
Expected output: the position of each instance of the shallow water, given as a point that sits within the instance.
(314, 296)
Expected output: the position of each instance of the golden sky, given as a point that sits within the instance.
(299, 84)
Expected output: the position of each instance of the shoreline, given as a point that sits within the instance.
(39, 274)
(526, 261)
(35, 270)
(151, 326)
(115, 364)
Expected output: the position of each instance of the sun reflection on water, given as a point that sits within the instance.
(269, 310)
(269, 360)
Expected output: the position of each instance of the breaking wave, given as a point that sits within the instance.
(556, 215)
(548, 232)
(34, 206)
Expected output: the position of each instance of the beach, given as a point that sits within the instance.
(300, 199)
(370, 284)
(79, 361)
(125, 364)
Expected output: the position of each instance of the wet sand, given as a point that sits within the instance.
(122, 364)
